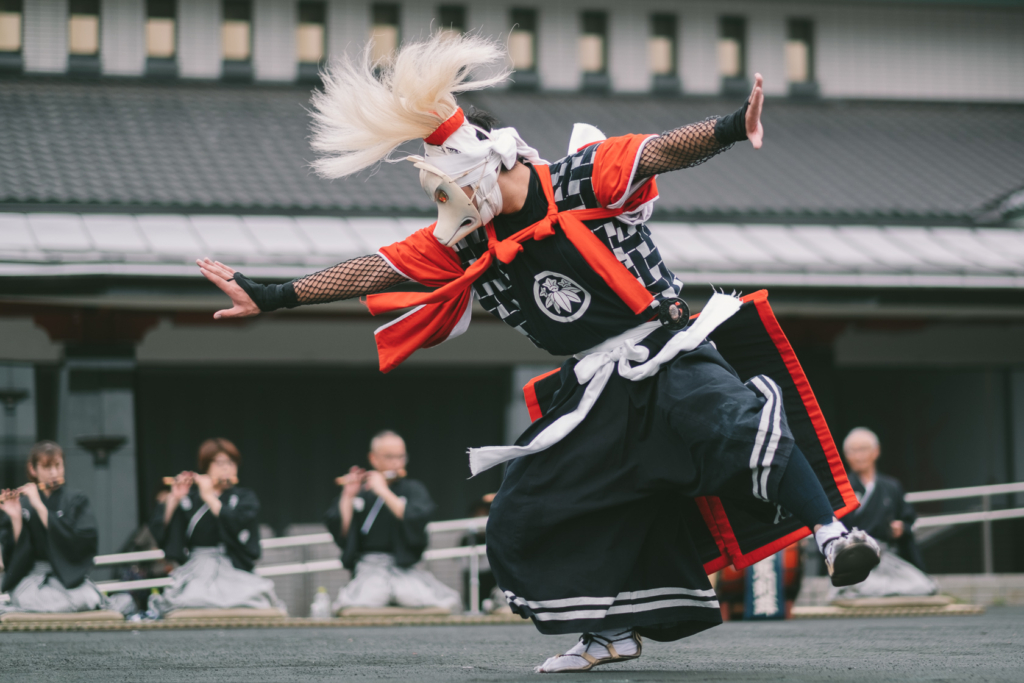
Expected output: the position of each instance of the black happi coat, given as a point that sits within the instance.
(236, 527)
(875, 516)
(408, 535)
(68, 542)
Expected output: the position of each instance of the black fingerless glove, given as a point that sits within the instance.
(268, 297)
(732, 128)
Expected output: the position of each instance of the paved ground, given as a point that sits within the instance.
(980, 648)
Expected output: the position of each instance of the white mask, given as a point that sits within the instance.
(465, 160)
(457, 217)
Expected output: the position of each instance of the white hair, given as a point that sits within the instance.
(367, 109)
(380, 436)
(866, 432)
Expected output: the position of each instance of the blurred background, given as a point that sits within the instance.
(885, 214)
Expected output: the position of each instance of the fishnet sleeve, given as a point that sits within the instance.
(358, 277)
(681, 148)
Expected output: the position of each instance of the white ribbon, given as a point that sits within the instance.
(472, 162)
(595, 369)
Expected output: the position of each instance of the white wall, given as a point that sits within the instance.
(921, 53)
(348, 26)
(199, 50)
(558, 24)
(274, 55)
(45, 35)
(627, 49)
(123, 37)
(901, 51)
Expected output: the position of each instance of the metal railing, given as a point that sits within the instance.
(473, 552)
(986, 516)
(473, 524)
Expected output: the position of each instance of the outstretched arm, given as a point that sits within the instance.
(696, 143)
(357, 277)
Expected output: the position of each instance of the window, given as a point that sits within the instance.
(662, 52)
(522, 41)
(84, 28)
(161, 37)
(311, 33)
(800, 56)
(236, 31)
(384, 31)
(593, 41)
(522, 49)
(452, 18)
(732, 54)
(661, 46)
(10, 26)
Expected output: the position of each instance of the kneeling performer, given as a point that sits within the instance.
(208, 523)
(379, 521)
(651, 459)
(48, 542)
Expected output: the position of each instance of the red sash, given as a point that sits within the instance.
(439, 312)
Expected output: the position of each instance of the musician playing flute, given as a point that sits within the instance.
(209, 524)
(48, 542)
(658, 451)
(380, 523)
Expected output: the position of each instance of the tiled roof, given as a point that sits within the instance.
(186, 147)
(166, 245)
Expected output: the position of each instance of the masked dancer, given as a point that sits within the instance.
(653, 457)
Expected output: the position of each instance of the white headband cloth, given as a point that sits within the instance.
(472, 162)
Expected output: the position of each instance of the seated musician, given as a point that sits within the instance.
(208, 523)
(48, 540)
(379, 521)
(885, 514)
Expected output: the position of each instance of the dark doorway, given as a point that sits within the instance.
(297, 429)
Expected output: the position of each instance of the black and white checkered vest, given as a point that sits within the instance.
(561, 311)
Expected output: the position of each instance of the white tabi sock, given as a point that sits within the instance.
(828, 533)
(622, 641)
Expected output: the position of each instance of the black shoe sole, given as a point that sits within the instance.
(853, 565)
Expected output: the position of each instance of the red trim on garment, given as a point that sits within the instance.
(530, 394)
(595, 252)
(722, 561)
(719, 524)
(445, 130)
(796, 372)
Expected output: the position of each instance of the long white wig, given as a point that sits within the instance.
(367, 109)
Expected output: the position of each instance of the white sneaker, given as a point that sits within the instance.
(593, 649)
(851, 557)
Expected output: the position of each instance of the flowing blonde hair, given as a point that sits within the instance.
(367, 109)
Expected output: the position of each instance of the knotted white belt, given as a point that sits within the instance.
(595, 369)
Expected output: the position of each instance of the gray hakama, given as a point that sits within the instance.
(217, 552)
(209, 581)
(380, 582)
(381, 551)
(46, 568)
(893, 576)
(41, 591)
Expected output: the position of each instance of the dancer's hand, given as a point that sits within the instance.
(755, 131)
(220, 275)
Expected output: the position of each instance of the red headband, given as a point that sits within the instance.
(445, 130)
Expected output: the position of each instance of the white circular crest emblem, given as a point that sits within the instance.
(560, 297)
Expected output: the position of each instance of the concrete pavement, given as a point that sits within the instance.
(977, 648)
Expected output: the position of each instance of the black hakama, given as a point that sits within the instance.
(666, 479)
